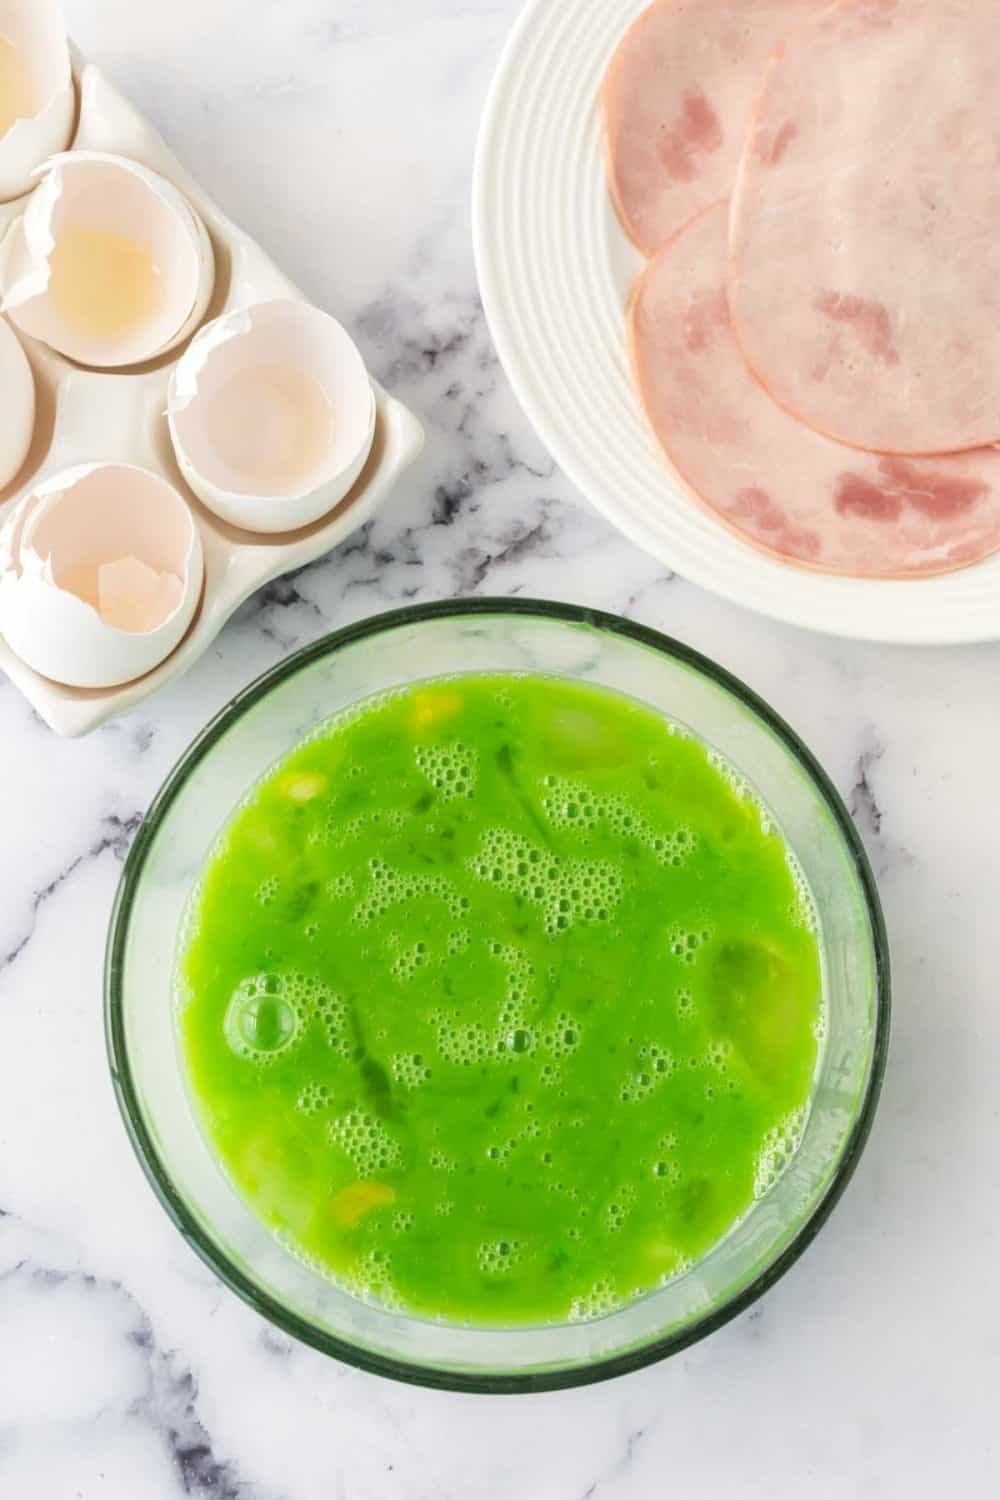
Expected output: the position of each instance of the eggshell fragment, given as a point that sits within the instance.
(272, 415)
(17, 404)
(109, 264)
(101, 572)
(37, 99)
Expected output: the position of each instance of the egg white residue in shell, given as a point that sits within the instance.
(101, 572)
(17, 404)
(37, 98)
(108, 264)
(272, 415)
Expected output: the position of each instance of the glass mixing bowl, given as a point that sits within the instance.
(260, 726)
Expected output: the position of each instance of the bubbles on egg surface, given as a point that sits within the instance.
(571, 805)
(600, 1300)
(507, 1039)
(465, 1044)
(389, 887)
(520, 1040)
(736, 783)
(684, 1264)
(402, 1221)
(354, 827)
(458, 942)
(655, 1066)
(440, 1161)
(685, 943)
(452, 769)
(660, 1060)
(804, 910)
(567, 891)
(265, 1016)
(339, 886)
(498, 1257)
(718, 1054)
(777, 1149)
(372, 1280)
(313, 1097)
(267, 891)
(409, 1069)
(618, 1210)
(500, 1152)
(684, 1004)
(333, 1015)
(367, 1141)
(409, 961)
(562, 1038)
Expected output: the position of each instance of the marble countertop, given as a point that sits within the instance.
(340, 132)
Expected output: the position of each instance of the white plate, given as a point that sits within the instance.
(555, 271)
(86, 415)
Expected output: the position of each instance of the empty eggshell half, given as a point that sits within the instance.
(37, 99)
(17, 404)
(101, 572)
(272, 415)
(109, 264)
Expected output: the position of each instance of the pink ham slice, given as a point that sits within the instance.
(778, 483)
(865, 236)
(676, 98)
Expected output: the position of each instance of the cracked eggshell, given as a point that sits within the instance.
(272, 415)
(98, 192)
(52, 551)
(17, 404)
(36, 82)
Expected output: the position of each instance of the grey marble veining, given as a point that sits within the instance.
(340, 132)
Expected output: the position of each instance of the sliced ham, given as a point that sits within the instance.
(864, 277)
(773, 480)
(676, 99)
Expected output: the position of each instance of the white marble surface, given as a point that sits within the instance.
(341, 133)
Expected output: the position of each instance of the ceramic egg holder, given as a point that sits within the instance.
(88, 416)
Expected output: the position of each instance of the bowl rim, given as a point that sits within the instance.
(439, 1376)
